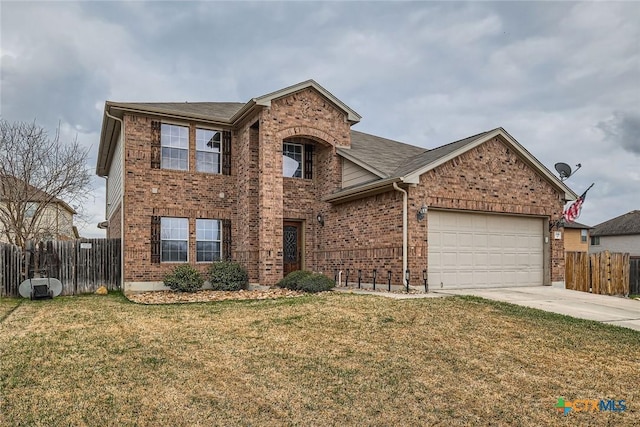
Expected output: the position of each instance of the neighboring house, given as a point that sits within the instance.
(620, 234)
(282, 183)
(54, 221)
(576, 237)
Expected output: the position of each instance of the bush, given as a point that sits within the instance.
(316, 283)
(228, 276)
(184, 278)
(293, 279)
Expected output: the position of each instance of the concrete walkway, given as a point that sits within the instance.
(613, 310)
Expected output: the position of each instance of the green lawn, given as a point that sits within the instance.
(329, 359)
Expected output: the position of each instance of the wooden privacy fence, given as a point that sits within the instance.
(82, 266)
(603, 273)
(634, 276)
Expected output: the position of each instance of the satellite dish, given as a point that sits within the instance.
(564, 170)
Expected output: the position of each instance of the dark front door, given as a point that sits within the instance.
(292, 247)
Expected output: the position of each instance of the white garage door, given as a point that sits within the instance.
(470, 250)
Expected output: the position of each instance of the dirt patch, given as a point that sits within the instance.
(170, 297)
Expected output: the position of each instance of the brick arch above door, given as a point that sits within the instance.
(313, 134)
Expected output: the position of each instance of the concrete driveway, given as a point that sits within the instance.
(613, 310)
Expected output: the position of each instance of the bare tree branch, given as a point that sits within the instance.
(38, 177)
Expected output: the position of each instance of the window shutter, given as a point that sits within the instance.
(308, 161)
(226, 152)
(226, 240)
(155, 239)
(156, 146)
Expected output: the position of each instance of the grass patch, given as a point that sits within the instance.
(7, 305)
(331, 359)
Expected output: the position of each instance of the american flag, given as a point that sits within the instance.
(573, 212)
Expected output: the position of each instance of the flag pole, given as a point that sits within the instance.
(585, 191)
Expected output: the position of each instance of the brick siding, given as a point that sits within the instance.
(361, 234)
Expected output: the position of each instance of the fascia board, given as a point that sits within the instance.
(171, 114)
(345, 153)
(106, 145)
(361, 191)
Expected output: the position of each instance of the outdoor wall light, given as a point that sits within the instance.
(422, 212)
(320, 219)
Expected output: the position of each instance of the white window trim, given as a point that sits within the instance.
(301, 161)
(173, 240)
(220, 241)
(584, 236)
(176, 148)
(219, 152)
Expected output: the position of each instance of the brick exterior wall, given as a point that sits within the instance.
(308, 115)
(488, 178)
(245, 152)
(178, 194)
(361, 234)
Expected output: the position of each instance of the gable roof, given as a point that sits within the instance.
(576, 225)
(626, 224)
(265, 100)
(22, 190)
(410, 165)
(380, 156)
(436, 154)
(224, 114)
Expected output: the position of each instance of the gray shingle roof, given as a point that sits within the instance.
(214, 110)
(628, 223)
(432, 155)
(384, 155)
(576, 225)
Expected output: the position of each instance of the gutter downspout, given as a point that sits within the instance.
(122, 135)
(404, 232)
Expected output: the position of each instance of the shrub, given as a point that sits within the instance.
(293, 279)
(306, 281)
(316, 283)
(184, 278)
(228, 276)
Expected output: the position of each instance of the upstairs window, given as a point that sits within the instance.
(297, 160)
(31, 209)
(174, 141)
(292, 164)
(208, 144)
(583, 236)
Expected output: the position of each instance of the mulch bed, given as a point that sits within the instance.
(170, 297)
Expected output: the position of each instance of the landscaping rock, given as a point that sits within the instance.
(170, 297)
(102, 290)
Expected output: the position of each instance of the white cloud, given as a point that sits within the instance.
(560, 77)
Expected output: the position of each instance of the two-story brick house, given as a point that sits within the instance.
(282, 183)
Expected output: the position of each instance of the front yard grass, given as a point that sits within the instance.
(329, 359)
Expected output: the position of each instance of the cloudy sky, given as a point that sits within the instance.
(562, 78)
